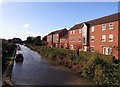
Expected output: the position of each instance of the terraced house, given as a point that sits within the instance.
(58, 38)
(100, 35)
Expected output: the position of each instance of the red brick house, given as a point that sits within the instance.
(50, 39)
(64, 41)
(100, 35)
(54, 37)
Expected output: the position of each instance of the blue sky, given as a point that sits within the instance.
(22, 19)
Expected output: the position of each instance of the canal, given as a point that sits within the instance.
(36, 71)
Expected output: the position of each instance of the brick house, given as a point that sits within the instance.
(75, 36)
(64, 41)
(50, 39)
(53, 38)
(100, 35)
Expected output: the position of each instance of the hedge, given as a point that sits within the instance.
(99, 68)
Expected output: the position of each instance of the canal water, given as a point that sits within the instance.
(36, 71)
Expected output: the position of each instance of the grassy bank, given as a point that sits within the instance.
(7, 53)
(8, 50)
(94, 66)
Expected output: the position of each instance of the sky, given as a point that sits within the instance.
(23, 19)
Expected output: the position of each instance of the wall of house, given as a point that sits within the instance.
(63, 42)
(98, 32)
(76, 35)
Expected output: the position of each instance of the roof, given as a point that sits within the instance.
(57, 31)
(105, 19)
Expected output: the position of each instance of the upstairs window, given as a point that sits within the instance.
(72, 32)
(110, 38)
(79, 31)
(103, 38)
(103, 26)
(110, 25)
(92, 29)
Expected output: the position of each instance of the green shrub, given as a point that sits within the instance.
(94, 66)
(88, 72)
(105, 73)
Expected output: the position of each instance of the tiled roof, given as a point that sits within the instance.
(105, 19)
(57, 31)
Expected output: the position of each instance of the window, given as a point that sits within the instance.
(107, 50)
(79, 39)
(71, 47)
(92, 29)
(110, 25)
(103, 38)
(92, 38)
(83, 40)
(71, 39)
(79, 31)
(72, 32)
(92, 49)
(103, 26)
(110, 38)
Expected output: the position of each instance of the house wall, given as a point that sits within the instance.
(76, 35)
(98, 32)
(63, 43)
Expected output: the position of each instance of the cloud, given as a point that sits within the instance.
(26, 25)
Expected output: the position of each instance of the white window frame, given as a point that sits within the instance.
(92, 29)
(92, 37)
(110, 37)
(110, 26)
(103, 26)
(103, 38)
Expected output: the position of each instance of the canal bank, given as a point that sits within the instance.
(6, 77)
(36, 71)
